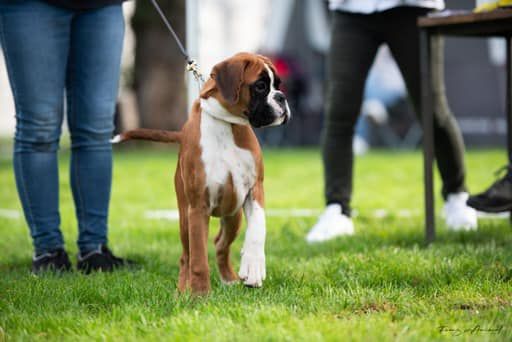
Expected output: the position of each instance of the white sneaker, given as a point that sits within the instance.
(458, 215)
(331, 223)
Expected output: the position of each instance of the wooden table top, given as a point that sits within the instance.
(497, 22)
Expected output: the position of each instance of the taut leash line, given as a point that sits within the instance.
(191, 64)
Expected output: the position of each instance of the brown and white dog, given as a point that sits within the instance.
(220, 168)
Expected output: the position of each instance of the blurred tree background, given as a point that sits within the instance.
(158, 71)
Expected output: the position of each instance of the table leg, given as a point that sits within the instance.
(428, 132)
(508, 97)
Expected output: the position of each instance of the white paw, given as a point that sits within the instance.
(252, 268)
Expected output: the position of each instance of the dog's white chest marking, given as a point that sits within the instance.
(222, 157)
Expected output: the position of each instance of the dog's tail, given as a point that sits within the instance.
(148, 134)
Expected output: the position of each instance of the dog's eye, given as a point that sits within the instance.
(260, 87)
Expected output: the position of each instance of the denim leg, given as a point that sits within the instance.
(35, 40)
(92, 87)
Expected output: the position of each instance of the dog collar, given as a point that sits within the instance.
(213, 108)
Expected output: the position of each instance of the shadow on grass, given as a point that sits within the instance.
(149, 260)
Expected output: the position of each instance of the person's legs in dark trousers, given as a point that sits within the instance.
(35, 39)
(402, 35)
(354, 44)
(92, 86)
(355, 39)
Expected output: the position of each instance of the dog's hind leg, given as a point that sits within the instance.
(229, 228)
(183, 281)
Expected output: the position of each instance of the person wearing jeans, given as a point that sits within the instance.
(358, 28)
(60, 52)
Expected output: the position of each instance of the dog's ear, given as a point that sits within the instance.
(229, 78)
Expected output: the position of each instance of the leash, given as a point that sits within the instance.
(191, 64)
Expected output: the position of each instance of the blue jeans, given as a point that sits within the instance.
(53, 54)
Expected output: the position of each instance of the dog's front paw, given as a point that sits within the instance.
(252, 268)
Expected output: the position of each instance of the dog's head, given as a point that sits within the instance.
(247, 85)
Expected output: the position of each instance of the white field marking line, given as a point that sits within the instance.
(10, 213)
(173, 214)
(163, 214)
(293, 212)
(504, 215)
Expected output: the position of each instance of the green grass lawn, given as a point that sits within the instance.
(381, 284)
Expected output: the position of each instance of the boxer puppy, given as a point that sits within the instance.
(220, 168)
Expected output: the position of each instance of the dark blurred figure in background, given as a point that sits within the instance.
(358, 28)
(384, 89)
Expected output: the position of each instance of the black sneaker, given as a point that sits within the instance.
(56, 261)
(497, 198)
(100, 259)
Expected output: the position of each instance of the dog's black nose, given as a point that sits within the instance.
(280, 98)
